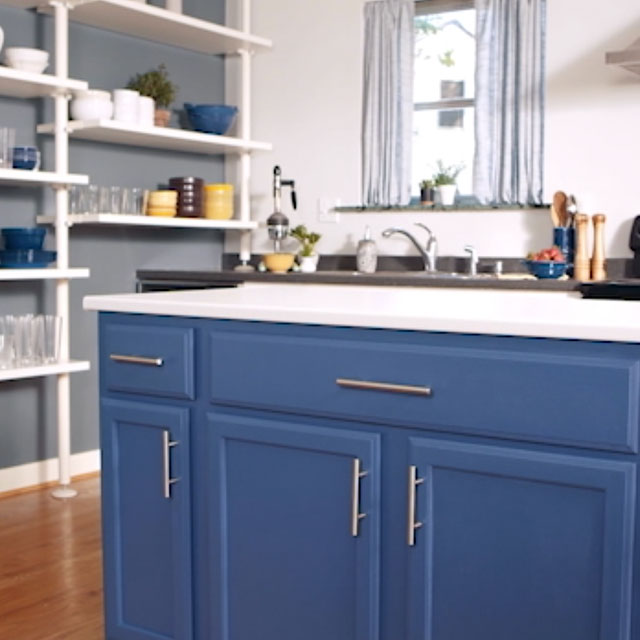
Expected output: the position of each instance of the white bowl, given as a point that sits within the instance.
(98, 94)
(91, 108)
(26, 59)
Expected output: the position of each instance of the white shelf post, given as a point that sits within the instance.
(61, 19)
(245, 134)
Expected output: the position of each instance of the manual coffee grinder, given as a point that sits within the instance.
(278, 223)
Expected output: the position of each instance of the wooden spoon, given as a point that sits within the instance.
(560, 206)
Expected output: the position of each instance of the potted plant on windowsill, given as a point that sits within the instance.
(445, 182)
(156, 84)
(427, 192)
(307, 257)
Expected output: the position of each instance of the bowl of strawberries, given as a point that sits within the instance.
(547, 263)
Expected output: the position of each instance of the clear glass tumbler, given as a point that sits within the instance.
(52, 332)
(7, 142)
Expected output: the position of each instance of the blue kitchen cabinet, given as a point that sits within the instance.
(294, 524)
(146, 521)
(511, 543)
(485, 516)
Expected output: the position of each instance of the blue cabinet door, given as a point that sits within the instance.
(146, 521)
(293, 531)
(519, 545)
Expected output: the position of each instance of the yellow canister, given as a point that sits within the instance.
(218, 201)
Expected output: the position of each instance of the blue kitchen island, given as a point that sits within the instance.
(317, 462)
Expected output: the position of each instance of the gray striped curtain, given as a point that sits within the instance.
(508, 164)
(387, 103)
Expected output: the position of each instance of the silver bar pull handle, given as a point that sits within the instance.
(369, 385)
(412, 525)
(356, 516)
(167, 480)
(151, 362)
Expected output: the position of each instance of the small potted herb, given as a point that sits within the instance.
(307, 257)
(445, 182)
(156, 84)
(427, 192)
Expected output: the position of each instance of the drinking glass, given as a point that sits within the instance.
(7, 142)
(52, 332)
(137, 197)
(104, 199)
(116, 199)
(126, 200)
(6, 345)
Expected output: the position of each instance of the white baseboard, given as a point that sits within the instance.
(35, 473)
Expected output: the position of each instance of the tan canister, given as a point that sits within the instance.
(218, 201)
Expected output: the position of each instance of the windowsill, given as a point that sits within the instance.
(437, 207)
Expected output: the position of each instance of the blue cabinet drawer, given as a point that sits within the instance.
(150, 359)
(565, 392)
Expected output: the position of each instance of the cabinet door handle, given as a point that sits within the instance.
(383, 386)
(356, 516)
(151, 362)
(167, 480)
(412, 525)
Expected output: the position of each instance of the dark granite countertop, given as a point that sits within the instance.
(396, 271)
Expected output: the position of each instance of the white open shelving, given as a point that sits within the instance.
(147, 22)
(22, 84)
(151, 221)
(43, 274)
(20, 373)
(22, 177)
(113, 132)
(157, 24)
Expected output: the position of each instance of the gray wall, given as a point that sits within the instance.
(106, 60)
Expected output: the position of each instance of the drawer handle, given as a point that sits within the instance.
(384, 386)
(150, 362)
(166, 463)
(414, 481)
(356, 516)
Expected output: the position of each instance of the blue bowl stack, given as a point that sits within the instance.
(23, 248)
(211, 118)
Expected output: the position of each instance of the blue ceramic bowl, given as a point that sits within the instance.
(211, 118)
(16, 238)
(26, 157)
(546, 268)
(26, 259)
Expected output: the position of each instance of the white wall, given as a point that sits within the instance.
(307, 101)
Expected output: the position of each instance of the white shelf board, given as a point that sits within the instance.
(113, 132)
(167, 27)
(21, 84)
(24, 177)
(44, 370)
(43, 274)
(151, 221)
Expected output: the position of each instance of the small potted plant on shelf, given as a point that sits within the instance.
(445, 182)
(427, 192)
(156, 84)
(307, 257)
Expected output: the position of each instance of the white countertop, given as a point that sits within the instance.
(554, 314)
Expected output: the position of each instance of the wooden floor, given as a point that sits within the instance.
(50, 565)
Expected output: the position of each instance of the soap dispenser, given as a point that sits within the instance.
(367, 254)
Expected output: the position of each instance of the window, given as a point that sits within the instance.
(444, 86)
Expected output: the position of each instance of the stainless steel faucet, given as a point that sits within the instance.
(429, 254)
(473, 259)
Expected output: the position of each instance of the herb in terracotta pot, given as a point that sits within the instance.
(157, 85)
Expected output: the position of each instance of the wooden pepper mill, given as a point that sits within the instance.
(581, 262)
(598, 264)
